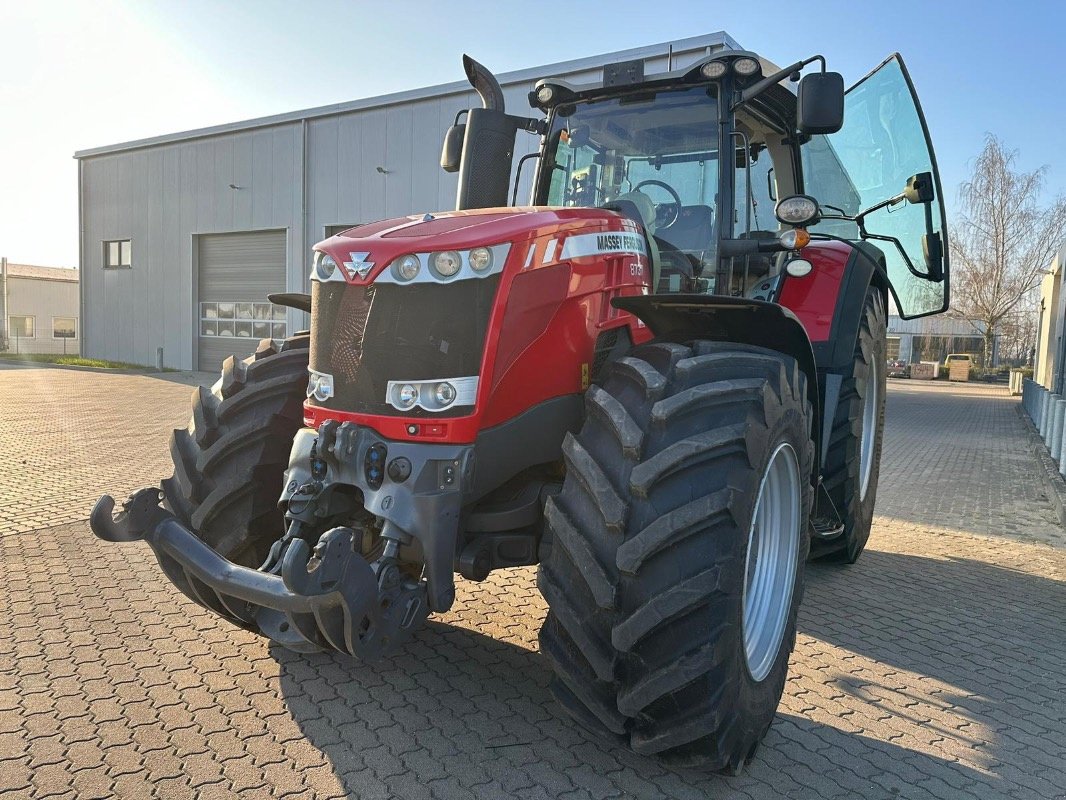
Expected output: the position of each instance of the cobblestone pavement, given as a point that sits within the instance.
(955, 456)
(932, 668)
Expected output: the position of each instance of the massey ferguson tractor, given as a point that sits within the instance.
(663, 381)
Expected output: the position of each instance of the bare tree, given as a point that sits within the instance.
(1002, 241)
(1017, 330)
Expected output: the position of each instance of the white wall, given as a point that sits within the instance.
(42, 300)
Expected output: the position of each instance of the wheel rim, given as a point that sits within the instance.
(869, 433)
(770, 567)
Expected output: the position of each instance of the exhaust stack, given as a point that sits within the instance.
(484, 83)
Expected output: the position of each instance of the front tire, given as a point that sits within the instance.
(657, 630)
(853, 462)
(230, 461)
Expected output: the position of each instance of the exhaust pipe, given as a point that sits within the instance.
(484, 83)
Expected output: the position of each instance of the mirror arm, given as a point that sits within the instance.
(756, 89)
(899, 247)
(899, 198)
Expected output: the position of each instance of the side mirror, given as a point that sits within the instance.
(920, 188)
(451, 153)
(820, 103)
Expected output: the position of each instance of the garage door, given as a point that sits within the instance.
(236, 273)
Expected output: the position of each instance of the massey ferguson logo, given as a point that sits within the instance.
(358, 265)
(609, 242)
(595, 244)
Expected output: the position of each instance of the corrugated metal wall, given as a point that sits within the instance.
(43, 300)
(162, 198)
(163, 195)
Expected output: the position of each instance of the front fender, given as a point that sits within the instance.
(685, 317)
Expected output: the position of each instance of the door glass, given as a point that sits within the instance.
(883, 143)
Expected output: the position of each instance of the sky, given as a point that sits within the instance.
(77, 75)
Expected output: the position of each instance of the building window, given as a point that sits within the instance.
(242, 320)
(118, 254)
(333, 230)
(21, 327)
(64, 327)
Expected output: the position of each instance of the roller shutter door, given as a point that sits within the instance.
(236, 273)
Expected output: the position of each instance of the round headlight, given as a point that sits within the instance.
(545, 94)
(325, 266)
(446, 263)
(407, 267)
(713, 69)
(797, 210)
(745, 66)
(407, 396)
(480, 259)
(445, 394)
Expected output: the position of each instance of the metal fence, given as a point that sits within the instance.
(27, 345)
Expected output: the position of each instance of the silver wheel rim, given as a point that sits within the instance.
(869, 433)
(770, 566)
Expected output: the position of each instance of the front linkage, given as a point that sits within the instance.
(319, 592)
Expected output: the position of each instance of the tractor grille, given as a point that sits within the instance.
(366, 336)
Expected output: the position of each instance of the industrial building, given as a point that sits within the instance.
(1049, 363)
(38, 309)
(933, 338)
(183, 236)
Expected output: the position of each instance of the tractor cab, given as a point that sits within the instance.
(651, 148)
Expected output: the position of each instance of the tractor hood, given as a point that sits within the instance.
(380, 243)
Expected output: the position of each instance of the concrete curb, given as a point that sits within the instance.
(14, 362)
(1048, 469)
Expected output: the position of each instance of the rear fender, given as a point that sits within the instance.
(685, 317)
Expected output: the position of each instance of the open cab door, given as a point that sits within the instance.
(876, 179)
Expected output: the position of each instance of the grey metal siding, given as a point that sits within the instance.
(162, 198)
(43, 300)
(237, 268)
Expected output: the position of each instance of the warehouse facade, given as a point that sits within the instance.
(183, 236)
(38, 309)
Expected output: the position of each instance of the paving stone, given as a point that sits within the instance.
(931, 668)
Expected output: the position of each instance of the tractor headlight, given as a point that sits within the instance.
(407, 396)
(407, 267)
(445, 394)
(797, 210)
(745, 66)
(480, 259)
(545, 94)
(446, 266)
(319, 385)
(713, 69)
(446, 263)
(325, 266)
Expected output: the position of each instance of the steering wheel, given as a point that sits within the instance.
(666, 212)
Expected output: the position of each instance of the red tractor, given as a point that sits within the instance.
(663, 382)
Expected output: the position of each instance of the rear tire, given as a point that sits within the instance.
(230, 461)
(852, 465)
(646, 576)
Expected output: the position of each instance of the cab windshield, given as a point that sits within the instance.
(660, 152)
(661, 145)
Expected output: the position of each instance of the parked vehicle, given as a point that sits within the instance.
(639, 382)
(898, 368)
